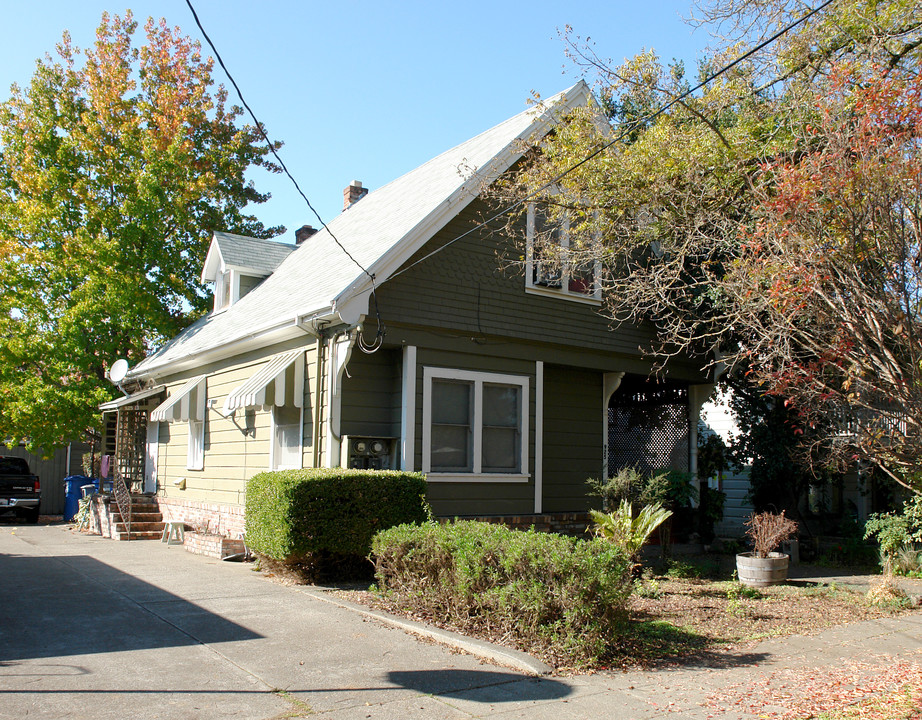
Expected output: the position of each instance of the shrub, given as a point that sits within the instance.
(563, 594)
(767, 531)
(894, 531)
(292, 515)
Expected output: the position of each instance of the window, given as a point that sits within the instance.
(475, 425)
(195, 457)
(549, 264)
(286, 437)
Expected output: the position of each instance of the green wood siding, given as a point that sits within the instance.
(573, 424)
(371, 394)
(464, 289)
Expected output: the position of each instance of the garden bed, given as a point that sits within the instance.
(677, 620)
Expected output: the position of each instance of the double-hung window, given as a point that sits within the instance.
(552, 265)
(475, 425)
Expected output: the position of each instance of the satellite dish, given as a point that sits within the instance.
(118, 371)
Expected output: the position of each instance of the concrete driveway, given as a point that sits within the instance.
(92, 628)
(97, 629)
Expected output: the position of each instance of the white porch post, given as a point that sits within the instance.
(610, 382)
(697, 396)
(408, 410)
(539, 437)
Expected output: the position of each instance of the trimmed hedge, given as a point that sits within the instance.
(292, 515)
(565, 595)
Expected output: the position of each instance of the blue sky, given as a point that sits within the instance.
(368, 91)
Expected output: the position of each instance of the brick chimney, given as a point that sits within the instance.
(303, 233)
(353, 193)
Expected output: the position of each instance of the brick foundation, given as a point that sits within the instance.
(209, 545)
(572, 523)
(205, 518)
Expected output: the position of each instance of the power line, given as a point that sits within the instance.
(624, 133)
(379, 337)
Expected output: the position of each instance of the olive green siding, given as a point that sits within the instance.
(468, 289)
(371, 394)
(573, 426)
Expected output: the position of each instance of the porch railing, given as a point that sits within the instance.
(123, 500)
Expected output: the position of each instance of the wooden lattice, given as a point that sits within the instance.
(130, 446)
(648, 426)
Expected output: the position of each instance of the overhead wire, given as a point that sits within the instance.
(381, 330)
(633, 126)
(379, 337)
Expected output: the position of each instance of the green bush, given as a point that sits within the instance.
(294, 514)
(564, 594)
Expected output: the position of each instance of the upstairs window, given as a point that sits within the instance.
(551, 266)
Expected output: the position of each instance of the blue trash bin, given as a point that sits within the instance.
(72, 494)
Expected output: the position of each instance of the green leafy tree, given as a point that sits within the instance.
(771, 220)
(116, 162)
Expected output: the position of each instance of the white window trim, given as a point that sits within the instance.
(595, 298)
(273, 445)
(195, 453)
(478, 378)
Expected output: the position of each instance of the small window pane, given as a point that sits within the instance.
(500, 405)
(451, 448)
(501, 451)
(287, 421)
(451, 402)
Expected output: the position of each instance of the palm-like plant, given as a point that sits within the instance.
(627, 531)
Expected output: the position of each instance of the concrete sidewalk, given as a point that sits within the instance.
(92, 628)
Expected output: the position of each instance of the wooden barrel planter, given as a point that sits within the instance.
(762, 572)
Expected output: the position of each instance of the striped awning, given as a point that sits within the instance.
(282, 376)
(187, 403)
(131, 399)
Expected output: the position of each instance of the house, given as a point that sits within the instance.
(394, 338)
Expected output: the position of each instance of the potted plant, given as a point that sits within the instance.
(764, 565)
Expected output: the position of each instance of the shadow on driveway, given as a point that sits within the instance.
(76, 605)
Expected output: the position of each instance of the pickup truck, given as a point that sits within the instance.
(19, 489)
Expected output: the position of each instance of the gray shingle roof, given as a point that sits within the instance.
(381, 231)
(258, 257)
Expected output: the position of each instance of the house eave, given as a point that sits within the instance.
(300, 325)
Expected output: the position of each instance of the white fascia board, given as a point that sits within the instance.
(360, 288)
(213, 262)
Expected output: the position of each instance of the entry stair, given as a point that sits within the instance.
(146, 519)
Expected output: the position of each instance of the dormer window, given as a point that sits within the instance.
(222, 290)
(551, 267)
(236, 264)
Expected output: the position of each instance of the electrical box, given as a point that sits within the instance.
(369, 453)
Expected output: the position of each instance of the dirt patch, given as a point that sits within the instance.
(674, 621)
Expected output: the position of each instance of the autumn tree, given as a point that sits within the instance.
(769, 220)
(116, 162)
